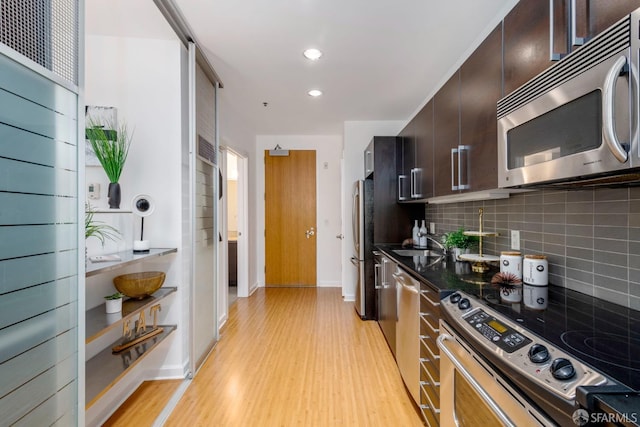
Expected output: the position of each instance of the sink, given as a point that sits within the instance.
(417, 252)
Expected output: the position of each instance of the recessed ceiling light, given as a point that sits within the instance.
(312, 54)
(315, 92)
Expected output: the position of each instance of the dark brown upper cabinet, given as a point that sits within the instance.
(532, 44)
(415, 180)
(446, 137)
(594, 16)
(392, 222)
(406, 154)
(527, 46)
(423, 163)
(480, 90)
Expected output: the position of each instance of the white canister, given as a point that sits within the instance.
(535, 270)
(536, 297)
(511, 262)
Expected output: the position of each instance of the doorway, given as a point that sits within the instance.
(290, 218)
(237, 225)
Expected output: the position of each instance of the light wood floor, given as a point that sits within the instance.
(144, 405)
(297, 357)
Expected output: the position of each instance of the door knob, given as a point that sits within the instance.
(339, 236)
(310, 232)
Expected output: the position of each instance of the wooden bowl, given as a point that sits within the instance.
(139, 285)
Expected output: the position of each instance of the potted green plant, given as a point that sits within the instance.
(457, 242)
(98, 229)
(111, 147)
(113, 303)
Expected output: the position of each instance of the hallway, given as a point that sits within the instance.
(294, 356)
(297, 356)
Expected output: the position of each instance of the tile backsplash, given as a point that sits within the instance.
(591, 237)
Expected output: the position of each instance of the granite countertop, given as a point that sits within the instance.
(441, 273)
(568, 310)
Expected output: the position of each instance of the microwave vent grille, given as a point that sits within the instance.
(606, 44)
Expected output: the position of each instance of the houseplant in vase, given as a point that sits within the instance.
(113, 303)
(458, 243)
(111, 147)
(97, 229)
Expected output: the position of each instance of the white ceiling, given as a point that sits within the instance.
(382, 58)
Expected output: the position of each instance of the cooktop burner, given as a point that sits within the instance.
(609, 348)
(601, 334)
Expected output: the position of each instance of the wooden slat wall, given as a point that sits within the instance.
(38, 249)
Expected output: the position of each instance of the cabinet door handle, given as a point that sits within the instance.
(575, 40)
(553, 55)
(368, 162)
(416, 175)
(413, 183)
(461, 149)
(401, 180)
(376, 276)
(454, 152)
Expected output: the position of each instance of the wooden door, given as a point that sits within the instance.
(290, 219)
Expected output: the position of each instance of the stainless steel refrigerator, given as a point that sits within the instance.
(362, 259)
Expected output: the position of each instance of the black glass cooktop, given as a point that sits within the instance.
(601, 334)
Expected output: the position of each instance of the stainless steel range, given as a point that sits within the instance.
(504, 373)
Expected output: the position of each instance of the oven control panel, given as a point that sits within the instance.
(500, 334)
(508, 343)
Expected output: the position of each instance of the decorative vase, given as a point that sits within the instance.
(114, 195)
(113, 305)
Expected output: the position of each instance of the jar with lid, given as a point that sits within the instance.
(511, 262)
(535, 270)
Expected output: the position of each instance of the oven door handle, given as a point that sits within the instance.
(608, 95)
(477, 387)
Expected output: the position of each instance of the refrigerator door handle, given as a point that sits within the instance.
(355, 213)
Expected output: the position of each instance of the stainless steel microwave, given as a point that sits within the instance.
(576, 123)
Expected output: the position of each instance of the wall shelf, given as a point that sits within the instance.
(105, 369)
(98, 322)
(126, 258)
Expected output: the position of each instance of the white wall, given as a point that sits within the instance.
(328, 149)
(357, 135)
(235, 132)
(141, 77)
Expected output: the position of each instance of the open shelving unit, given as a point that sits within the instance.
(126, 258)
(105, 369)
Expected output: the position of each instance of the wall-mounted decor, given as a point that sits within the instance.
(111, 147)
(101, 116)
